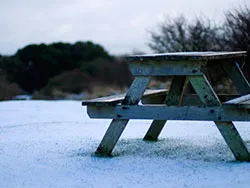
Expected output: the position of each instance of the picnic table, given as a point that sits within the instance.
(173, 103)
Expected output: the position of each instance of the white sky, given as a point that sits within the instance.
(119, 26)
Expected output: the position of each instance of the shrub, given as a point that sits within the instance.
(7, 89)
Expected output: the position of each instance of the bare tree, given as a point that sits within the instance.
(175, 35)
(236, 34)
(171, 36)
(237, 29)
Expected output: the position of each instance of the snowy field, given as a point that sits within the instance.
(47, 144)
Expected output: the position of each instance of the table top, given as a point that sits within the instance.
(193, 56)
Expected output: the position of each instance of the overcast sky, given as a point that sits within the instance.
(118, 25)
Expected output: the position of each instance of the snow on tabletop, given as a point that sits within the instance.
(51, 144)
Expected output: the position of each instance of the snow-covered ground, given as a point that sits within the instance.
(51, 144)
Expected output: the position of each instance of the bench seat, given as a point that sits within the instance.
(156, 96)
(240, 102)
(116, 99)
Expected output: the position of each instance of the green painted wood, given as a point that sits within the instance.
(238, 78)
(188, 99)
(154, 130)
(168, 68)
(163, 112)
(118, 125)
(186, 56)
(239, 100)
(233, 140)
(175, 90)
(224, 122)
(204, 90)
(111, 137)
(116, 99)
(172, 98)
(136, 90)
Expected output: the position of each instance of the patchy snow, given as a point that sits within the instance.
(51, 144)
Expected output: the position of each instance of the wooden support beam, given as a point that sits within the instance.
(163, 112)
(111, 137)
(234, 72)
(187, 100)
(116, 99)
(233, 140)
(117, 125)
(168, 68)
(204, 90)
(172, 98)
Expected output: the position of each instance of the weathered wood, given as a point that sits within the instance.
(154, 130)
(163, 112)
(204, 90)
(136, 90)
(169, 68)
(175, 91)
(187, 56)
(230, 134)
(173, 98)
(236, 75)
(111, 137)
(116, 99)
(117, 125)
(233, 140)
(239, 100)
(188, 99)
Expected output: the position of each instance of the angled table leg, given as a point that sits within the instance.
(227, 129)
(233, 140)
(117, 126)
(238, 78)
(173, 98)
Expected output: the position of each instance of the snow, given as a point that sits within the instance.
(51, 144)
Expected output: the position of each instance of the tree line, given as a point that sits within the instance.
(71, 68)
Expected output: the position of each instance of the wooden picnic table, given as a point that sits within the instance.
(173, 104)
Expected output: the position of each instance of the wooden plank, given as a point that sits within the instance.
(136, 90)
(163, 112)
(239, 100)
(118, 125)
(233, 140)
(170, 68)
(187, 56)
(153, 96)
(111, 137)
(243, 105)
(236, 75)
(154, 130)
(175, 91)
(188, 99)
(116, 99)
(172, 98)
(204, 90)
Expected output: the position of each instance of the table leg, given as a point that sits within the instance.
(173, 98)
(233, 140)
(117, 126)
(234, 72)
(227, 129)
